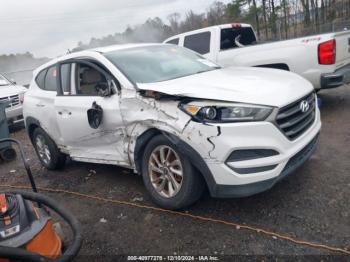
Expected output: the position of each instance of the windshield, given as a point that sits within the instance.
(3, 81)
(149, 64)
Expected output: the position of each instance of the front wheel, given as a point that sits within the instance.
(47, 151)
(171, 180)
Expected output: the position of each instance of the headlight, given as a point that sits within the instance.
(226, 113)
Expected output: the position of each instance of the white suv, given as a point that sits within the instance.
(178, 119)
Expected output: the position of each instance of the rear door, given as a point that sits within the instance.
(42, 100)
(104, 144)
(202, 43)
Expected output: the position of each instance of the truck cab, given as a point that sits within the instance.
(207, 41)
(323, 59)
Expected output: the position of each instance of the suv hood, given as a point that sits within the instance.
(262, 86)
(11, 90)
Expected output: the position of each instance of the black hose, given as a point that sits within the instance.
(72, 250)
(19, 254)
(24, 160)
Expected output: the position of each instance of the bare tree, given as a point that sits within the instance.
(285, 19)
(306, 7)
(192, 21)
(174, 20)
(273, 18)
(256, 17)
(216, 13)
(265, 18)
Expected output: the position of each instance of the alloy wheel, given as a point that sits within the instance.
(43, 149)
(165, 171)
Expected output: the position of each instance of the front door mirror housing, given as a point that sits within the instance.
(95, 115)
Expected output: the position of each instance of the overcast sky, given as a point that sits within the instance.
(49, 28)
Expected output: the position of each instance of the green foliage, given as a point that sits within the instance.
(235, 9)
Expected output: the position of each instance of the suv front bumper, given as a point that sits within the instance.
(222, 177)
(254, 188)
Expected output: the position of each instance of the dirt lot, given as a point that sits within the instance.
(313, 204)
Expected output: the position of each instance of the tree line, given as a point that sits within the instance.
(272, 20)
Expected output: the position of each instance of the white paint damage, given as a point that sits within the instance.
(163, 115)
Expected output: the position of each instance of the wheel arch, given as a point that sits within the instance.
(196, 160)
(140, 146)
(281, 66)
(31, 124)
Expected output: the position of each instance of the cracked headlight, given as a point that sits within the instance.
(225, 114)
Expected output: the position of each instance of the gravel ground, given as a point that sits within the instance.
(313, 204)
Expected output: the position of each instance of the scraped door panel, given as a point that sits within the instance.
(84, 143)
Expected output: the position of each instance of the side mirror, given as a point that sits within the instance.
(95, 115)
(105, 89)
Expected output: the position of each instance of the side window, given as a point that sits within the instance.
(198, 42)
(50, 79)
(174, 41)
(89, 80)
(66, 78)
(40, 79)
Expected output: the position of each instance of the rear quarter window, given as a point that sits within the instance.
(199, 43)
(51, 79)
(40, 79)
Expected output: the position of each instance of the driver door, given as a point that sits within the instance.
(80, 83)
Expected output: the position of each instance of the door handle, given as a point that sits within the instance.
(64, 112)
(40, 105)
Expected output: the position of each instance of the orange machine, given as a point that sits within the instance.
(26, 226)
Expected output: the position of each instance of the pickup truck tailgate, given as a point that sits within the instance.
(343, 48)
(341, 74)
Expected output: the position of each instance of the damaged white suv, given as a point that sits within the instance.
(178, 119)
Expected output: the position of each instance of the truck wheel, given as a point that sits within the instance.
(168, 175)
(47, 151)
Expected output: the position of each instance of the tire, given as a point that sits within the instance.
(172, 195)
(48, 153)
(8, 154)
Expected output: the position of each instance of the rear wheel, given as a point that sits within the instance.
(47, 151)
(171, 180)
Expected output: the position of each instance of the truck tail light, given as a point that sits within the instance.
(327, 53)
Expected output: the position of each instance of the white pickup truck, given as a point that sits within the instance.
(322, 59)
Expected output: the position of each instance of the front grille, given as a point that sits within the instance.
(13, 100)
(300, 156)
(292, 121)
